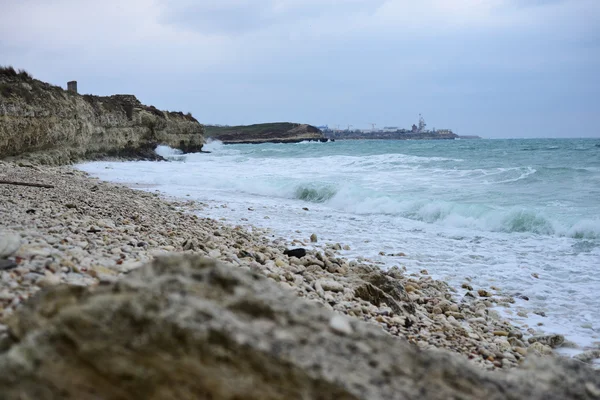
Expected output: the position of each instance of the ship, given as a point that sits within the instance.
(417, 132)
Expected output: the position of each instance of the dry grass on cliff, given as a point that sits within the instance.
(10, 71)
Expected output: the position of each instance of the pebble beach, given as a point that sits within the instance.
(83, 231)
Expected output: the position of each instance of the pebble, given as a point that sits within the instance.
(9, 244)
(589, 355)
(539, 348)
(331, 285)
(341, 325)
(7, 264)
(548, 340)
(592, 389)
(48, 280)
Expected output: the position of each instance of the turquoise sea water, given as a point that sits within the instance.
(493, 211)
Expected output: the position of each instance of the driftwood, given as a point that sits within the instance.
(41, 185)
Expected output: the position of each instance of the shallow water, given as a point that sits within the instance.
(494, 211)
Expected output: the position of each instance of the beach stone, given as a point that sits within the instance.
(214, 253)
(588, 356)
(484, 293)
(188, 327)
(48, 280)
(548, 340)
(9, 244)
(520, 350)
(455, 315)
(515, 333)
(378, 288)
(409, 288)
(280, 263)
(592, 389)
(313, 238)
(331, 285)
(298, 253)
(7, 264)
(539, 348)
(478, 320)
(341, 324)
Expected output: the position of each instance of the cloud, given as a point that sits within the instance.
(323, 60)
(236, 17)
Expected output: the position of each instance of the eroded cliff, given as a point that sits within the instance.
(49, 125)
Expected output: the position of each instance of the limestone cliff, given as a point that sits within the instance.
(50, 125)
(278, 132)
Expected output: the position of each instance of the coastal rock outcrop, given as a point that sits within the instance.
(49, 125)
(278, 132)
(188, 327)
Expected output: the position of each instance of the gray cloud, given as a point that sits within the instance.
(240, 16)
(496, 68)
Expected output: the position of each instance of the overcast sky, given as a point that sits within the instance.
(495, 68)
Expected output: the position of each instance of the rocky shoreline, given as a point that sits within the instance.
(87, 232)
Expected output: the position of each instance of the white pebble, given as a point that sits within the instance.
(340, 324)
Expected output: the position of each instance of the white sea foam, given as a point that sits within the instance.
(213, 145)
(482, 210)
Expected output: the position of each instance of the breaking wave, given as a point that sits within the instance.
(315, 194)
(170, 154)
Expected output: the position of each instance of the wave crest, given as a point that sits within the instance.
(169, 153)
(315, 195)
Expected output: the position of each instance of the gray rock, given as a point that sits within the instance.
(380, 288)
(7, 264)
(190, 328)
(331, 285)
(9, 244)
(588, 356)
(549, 340)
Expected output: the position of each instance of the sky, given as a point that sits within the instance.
(494, 68)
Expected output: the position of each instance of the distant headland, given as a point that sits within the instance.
(276, 132)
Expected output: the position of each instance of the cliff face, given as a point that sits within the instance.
(279, 132)
(49, 125)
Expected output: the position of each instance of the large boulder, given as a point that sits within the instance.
(186, 327)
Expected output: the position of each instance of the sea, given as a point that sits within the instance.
(522, 216)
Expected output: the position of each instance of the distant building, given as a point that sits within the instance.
(72, 86)
(390, 128)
